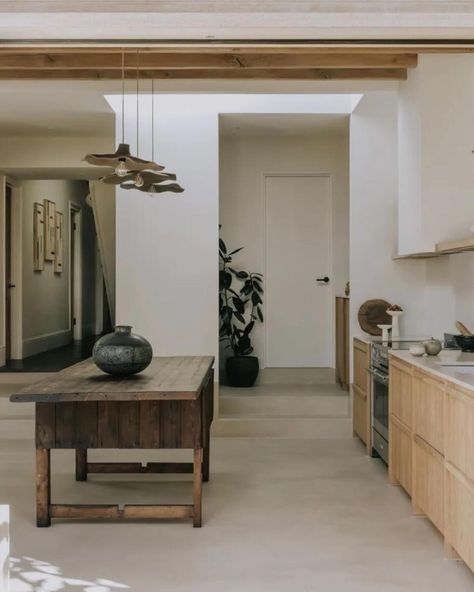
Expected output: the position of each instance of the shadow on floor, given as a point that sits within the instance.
(54, 359)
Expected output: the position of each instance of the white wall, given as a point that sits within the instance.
(374, 220)
(20, 154)
(167, 265)
(436, 143)
(103, 205)
(243, 162)
(436, 175)
(46, 316)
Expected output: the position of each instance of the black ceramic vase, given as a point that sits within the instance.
(122, 352)
(242, 371)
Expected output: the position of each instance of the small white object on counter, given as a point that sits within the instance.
(385, 330)
(417, 350)
(395, 314)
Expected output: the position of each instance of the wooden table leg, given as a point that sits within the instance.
(205, 460)
(197, 488)
(81, 464)
(43, 487)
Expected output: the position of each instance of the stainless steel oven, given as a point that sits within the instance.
(380, 413)
(379, 362)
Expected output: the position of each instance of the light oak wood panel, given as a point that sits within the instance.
(361, 363)
(361, 406)
(400, 386)
(459, 425)
(428, 482)
(459, 514)
(360, 423)
(428, 409)
(400, 454)
(342, 342)
(212, 74)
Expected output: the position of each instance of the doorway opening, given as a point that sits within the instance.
(75, 273)
(9, 285)
(284, 198)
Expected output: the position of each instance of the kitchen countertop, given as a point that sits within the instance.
(462, 374)
(378, 339)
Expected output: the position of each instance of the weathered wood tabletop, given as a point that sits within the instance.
(165, 379)
(169, 405)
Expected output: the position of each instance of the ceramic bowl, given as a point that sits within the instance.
(417, 350)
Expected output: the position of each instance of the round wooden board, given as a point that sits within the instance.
(373, 313)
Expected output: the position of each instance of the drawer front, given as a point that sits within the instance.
(460, 431)
(459, 530)
(360, 414)
(401, 393)
(361, 365)
(400, 455)
(428, 482)
(428, 406)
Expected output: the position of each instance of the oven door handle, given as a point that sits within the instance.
(383, 378)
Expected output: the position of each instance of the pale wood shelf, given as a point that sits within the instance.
(456, 246)
(442, 249)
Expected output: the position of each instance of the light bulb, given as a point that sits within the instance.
(121, 170)
(139, 182)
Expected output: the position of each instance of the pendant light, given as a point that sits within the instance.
(150, 181)
(121, 160)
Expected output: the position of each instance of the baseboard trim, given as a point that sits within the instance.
(42, 343)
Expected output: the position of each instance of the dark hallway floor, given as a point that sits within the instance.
(54, 359)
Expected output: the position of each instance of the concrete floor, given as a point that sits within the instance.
(280, 515)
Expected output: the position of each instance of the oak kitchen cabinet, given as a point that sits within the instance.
(361, 407)
(342, 341)
(432, 450)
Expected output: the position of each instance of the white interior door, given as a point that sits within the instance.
(298, 250)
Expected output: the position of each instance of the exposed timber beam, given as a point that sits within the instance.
(201, 61)
(211, 74)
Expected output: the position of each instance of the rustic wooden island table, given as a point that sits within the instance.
(169, 405)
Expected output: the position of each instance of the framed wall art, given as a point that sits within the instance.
(38, 236)
(50, 229)
(58, 258)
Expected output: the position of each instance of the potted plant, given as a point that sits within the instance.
(240, 307)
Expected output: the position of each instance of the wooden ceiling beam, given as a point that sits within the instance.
(293, 48)
(168, 61)
(213, 74)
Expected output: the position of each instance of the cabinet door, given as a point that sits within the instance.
(428, 482)
(459, 526)
(428, 409)
(400, 454)
(361, 365)
(460, 430)
(360, 423)
(400, 385)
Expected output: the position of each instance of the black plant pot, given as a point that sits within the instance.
(242, 371)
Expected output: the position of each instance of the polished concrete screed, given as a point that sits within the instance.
(280, 515)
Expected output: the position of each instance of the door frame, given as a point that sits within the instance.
(265, 175)
(75, 266)
(16, 311)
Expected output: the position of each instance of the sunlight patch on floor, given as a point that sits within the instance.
(33, 575)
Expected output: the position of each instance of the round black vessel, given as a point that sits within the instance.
(122, 353)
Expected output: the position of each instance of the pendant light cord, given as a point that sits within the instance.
(153, 119)
(123, 96)
(138, 112)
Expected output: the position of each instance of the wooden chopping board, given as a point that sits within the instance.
(373, 313)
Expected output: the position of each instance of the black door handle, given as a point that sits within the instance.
(11, 286)
(324, 280)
